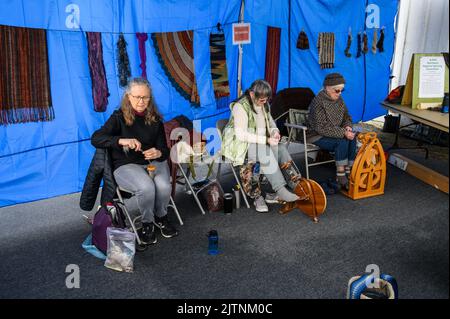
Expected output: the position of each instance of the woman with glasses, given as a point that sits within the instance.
(252, 133)
(330, 126)
(135, 135)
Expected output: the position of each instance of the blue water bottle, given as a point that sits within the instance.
(213, 242)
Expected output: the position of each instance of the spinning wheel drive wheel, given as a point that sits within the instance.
(316, 204)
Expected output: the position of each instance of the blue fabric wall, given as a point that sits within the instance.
(42, 160)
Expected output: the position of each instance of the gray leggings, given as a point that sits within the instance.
(269, 158)
(153, 195)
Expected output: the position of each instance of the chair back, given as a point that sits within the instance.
(299, 117)
(220, 125)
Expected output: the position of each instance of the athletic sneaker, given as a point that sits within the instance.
(148, 235)
(166, 228)
(260, 205)
(272, 198)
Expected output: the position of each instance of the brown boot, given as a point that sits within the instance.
(290, 174)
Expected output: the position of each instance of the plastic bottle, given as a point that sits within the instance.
(213, 242)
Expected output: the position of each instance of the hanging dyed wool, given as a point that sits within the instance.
(176, 56)
(365, 48)
(349, 43)
(97, 70)
(219, 72)
(142, 37)
(302, 41)
(358, 53)
(325, 46)
(272, 57)
(381, 41)
(374, 41)
(123, 62)
(24, 76)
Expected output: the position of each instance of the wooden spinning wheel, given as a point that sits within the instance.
(313, 205)
(368, 174)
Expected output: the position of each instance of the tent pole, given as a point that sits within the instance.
(239, 80)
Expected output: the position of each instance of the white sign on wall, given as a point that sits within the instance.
(241, 33)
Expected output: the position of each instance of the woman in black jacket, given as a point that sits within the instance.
(135, 135)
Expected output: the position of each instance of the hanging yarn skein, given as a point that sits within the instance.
(374, 41)
(365, 48)
(380, 44)
(349, 43)
(123, 62)
(358, 53)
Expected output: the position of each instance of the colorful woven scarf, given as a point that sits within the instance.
(97, 70)
(272, 57)
(325, 46)
(219, 72)
(24, 76)
(176, 56)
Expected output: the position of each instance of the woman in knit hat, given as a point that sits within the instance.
(330, 125)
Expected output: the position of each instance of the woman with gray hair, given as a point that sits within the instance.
(251, 132)
(330, 126)
(135, 135)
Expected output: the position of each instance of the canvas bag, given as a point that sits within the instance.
(108, 215)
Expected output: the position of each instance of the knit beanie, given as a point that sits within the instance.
(333, 79)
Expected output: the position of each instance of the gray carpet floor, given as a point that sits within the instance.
(405, 232)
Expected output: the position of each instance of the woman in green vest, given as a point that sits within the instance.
(252, 133)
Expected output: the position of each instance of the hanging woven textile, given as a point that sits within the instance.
(325, 46)
(24, 76)
(219, 72)
(272, 57)
(123, 62)
(100, 91)
(176, 56)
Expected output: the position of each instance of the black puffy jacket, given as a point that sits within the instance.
(100, 168)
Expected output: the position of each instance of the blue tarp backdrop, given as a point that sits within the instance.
(41, 160)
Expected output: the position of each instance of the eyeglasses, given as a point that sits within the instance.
(337, 91)
(139, 98)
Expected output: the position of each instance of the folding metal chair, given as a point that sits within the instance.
(220, 125)
(187, 157)
(297, 121)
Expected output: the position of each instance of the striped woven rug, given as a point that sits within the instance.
(176, 56)
(325, 46)
(219, 72)
(272, 57)
(24, 76)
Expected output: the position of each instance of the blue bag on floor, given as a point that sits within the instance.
(90, 248)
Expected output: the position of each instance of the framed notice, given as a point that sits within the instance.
(241, 33)
(427, 81)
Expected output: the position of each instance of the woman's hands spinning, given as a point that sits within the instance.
(134, 144)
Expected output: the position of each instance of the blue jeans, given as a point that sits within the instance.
(344, 149)
(153, 195)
